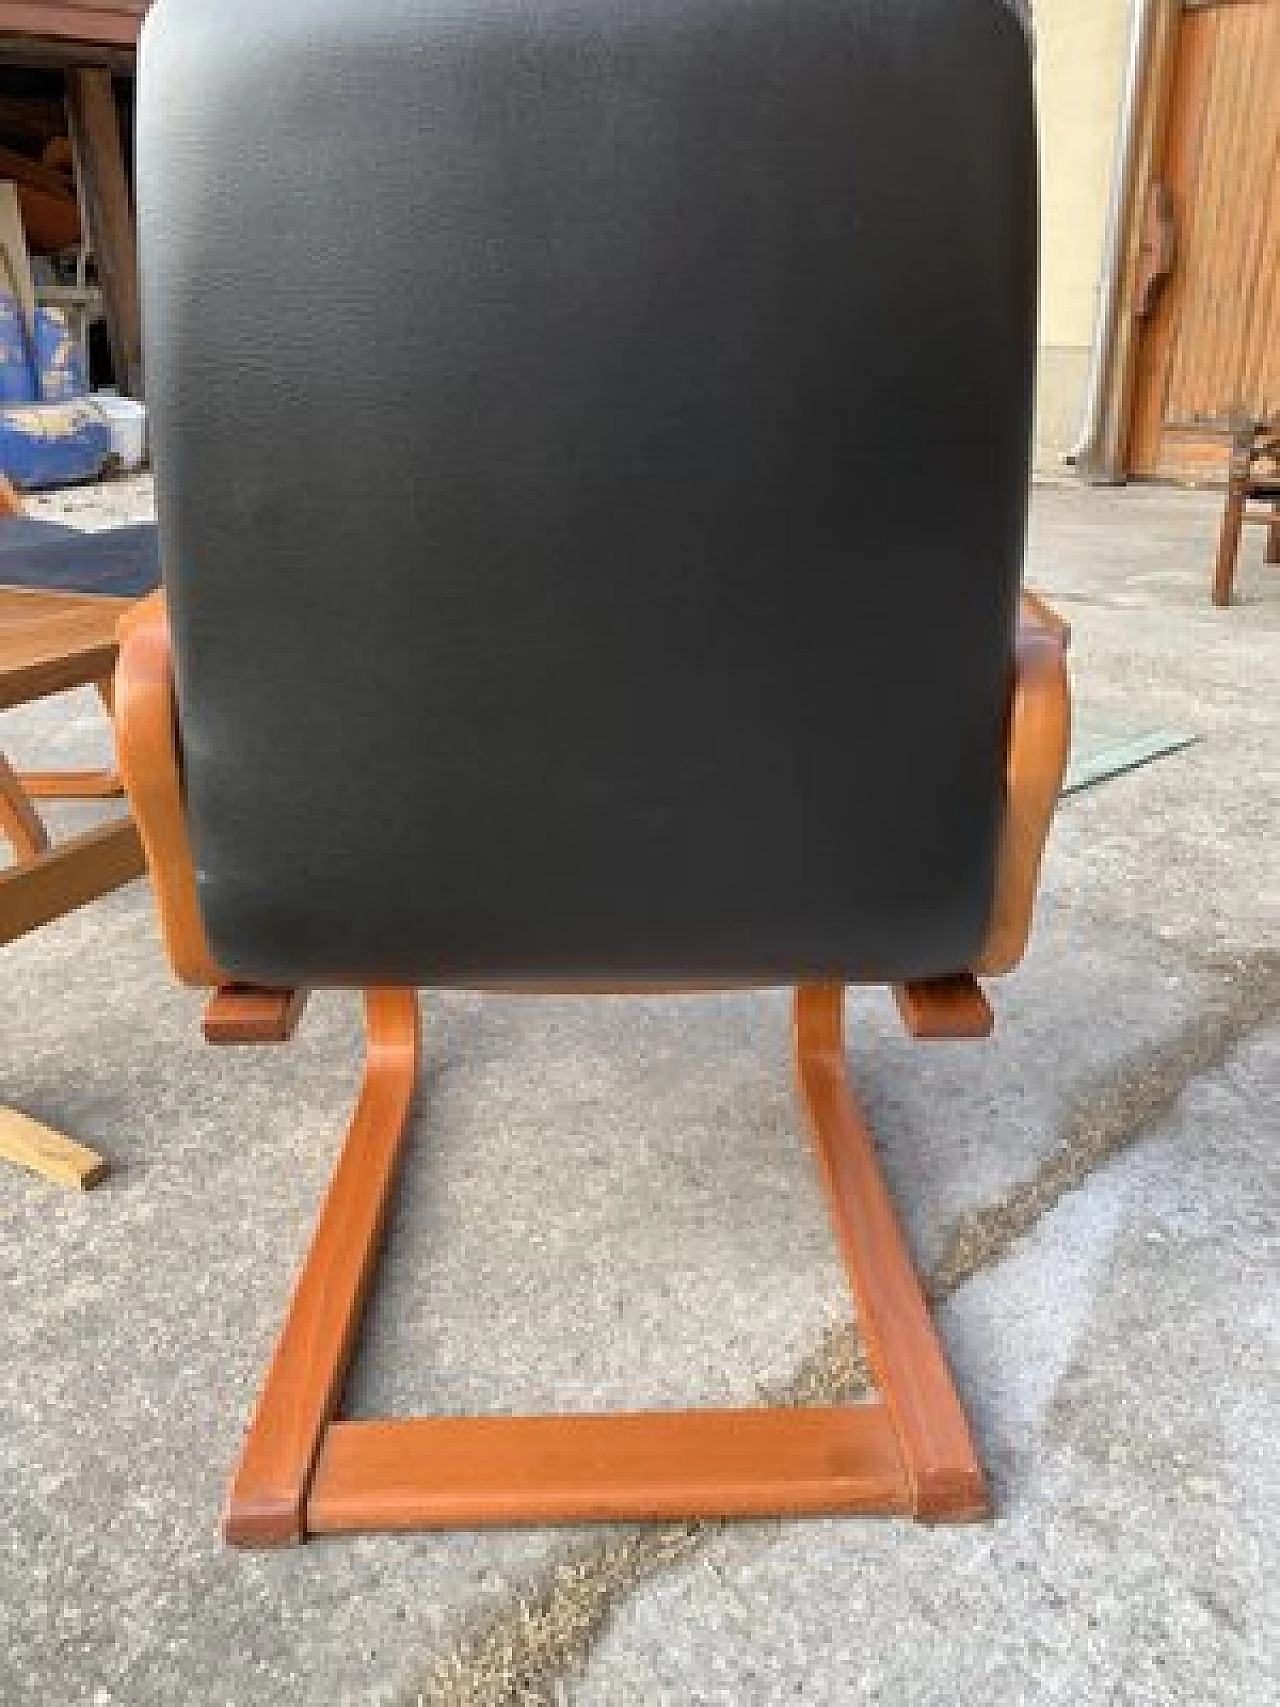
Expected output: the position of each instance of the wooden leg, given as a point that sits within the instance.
(267, 1502)
(902, 1347)
(20, 823)
(304, 1473)
(1224, 573)
(1273, 539)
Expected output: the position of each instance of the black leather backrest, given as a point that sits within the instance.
(591, 444)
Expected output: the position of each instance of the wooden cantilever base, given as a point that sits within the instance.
(304, 1473)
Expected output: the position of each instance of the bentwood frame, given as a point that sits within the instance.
(306, 1471)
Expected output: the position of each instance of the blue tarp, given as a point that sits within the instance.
(50, 433)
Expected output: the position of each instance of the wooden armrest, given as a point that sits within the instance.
(1034, 613)
(1039, 740)
(147, 744)
(153, 608)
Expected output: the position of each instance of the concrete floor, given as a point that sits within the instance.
(610, 1203)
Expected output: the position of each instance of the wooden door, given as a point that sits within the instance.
(1210, 339)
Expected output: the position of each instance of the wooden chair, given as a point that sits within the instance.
(55, 635)
(50, 642)
(1253, 495)
(581, 625)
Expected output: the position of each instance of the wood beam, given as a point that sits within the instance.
(95, 136)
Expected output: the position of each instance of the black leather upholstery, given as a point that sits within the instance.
(591, 444)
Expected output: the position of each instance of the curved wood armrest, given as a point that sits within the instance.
(151, 608)
(146, 742)
(1039, 739)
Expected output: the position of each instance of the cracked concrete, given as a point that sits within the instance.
(546, 1633)
(1133, 1557)
(611, 1203)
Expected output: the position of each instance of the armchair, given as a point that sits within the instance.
(604, 576)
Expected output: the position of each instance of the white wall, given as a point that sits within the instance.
(1080, 58)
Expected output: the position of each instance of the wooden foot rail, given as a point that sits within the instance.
(303, 1472)
(72, 785)
(665, 1465)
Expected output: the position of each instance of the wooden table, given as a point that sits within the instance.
(50, 642)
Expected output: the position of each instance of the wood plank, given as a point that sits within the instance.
(903, 1348)
(49, 1153)
(656, 1465)
(266, 1503)
(95, 136)
(112, 23)
(67, 876)
(45, 53)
